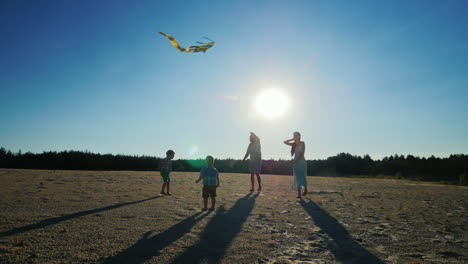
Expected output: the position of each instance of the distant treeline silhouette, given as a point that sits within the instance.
(343, 164)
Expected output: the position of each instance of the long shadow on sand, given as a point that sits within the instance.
(147, 247)
(56, 220)
(347, 249)
(218, 234)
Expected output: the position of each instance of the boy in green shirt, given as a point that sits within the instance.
(165, 171)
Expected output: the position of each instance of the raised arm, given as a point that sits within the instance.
(289, 142)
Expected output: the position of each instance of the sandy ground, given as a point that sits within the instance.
(118, 217)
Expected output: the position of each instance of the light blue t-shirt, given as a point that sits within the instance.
(209, 175)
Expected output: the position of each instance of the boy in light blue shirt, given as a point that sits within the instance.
(210, 176)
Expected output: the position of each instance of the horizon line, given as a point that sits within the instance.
(231, 158)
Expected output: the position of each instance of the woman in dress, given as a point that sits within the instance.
(255, 163)
(299, 163)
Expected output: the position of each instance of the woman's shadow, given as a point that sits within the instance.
(346, 249)
(219, 233)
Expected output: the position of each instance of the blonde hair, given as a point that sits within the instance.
(254, 138)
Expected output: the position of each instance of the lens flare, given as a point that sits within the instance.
(194, 160)
(193, 151)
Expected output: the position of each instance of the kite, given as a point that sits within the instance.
(190, 49)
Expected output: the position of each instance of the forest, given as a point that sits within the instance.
(448, 169)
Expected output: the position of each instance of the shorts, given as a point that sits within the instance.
(209, 191)
(166, 176)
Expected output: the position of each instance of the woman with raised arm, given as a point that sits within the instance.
(299, 163)
(255, 162)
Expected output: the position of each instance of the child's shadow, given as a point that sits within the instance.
(57, 220)
(147, 246)
(219, 233)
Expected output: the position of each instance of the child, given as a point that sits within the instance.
(165, 170)
(209, 174)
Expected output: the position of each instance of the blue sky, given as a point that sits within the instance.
(376, 77)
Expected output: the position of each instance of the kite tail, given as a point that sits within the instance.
(173, 42)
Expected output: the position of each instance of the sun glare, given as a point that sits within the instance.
(271, 103)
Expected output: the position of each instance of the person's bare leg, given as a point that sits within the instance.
(168, 192)
(163, 187)
(305, 191)
(205, 203)
(298, 192)
(213, 203)
(252, 182)
(259, 182)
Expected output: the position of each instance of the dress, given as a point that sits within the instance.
(255, 162)
(299, 169)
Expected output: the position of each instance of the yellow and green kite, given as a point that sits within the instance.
(190, 49)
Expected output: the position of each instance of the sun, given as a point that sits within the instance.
(272, 103)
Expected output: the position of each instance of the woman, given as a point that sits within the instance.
(255, 163)
(299, 163)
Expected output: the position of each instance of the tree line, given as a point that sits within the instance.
(433, 168)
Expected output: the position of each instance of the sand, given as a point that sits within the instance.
(119, 217)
